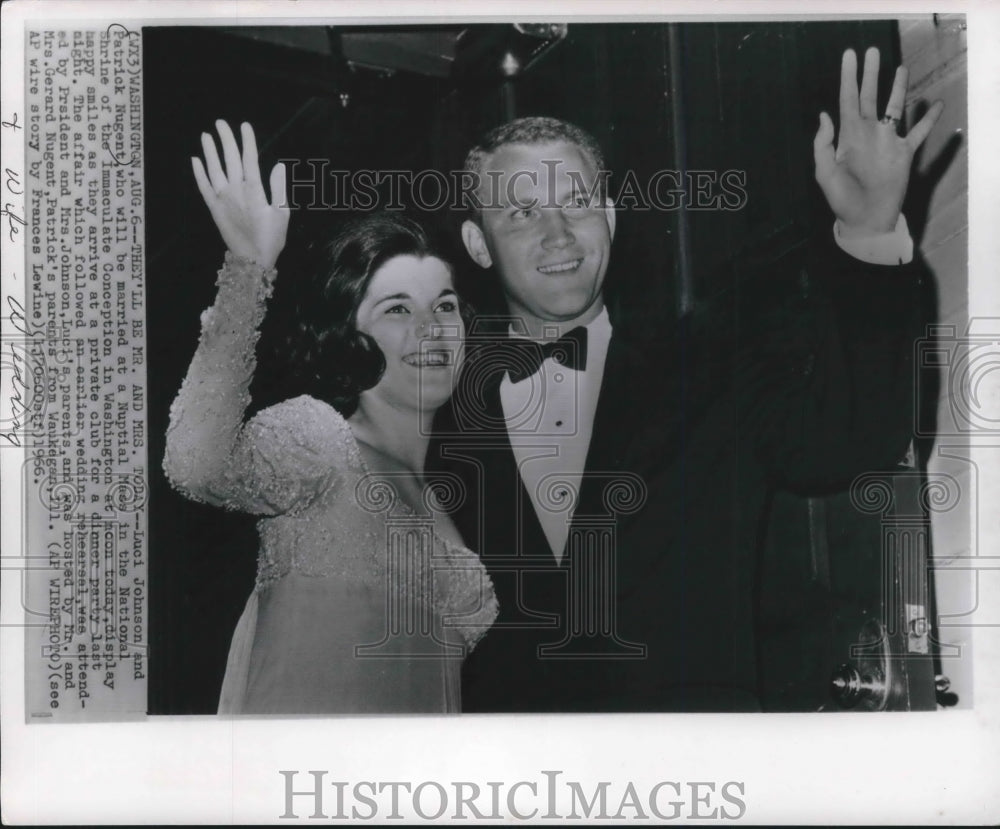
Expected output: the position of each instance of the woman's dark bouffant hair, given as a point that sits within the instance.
(328, 357)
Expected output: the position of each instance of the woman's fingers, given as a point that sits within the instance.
(823, 152)
(251, 166)
(278, 187)
(215, 174)
(230, 152)
(201, 179)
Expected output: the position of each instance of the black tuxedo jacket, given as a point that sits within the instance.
(802, 380)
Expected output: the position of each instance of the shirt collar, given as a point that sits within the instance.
(599, 328)
(598, 341)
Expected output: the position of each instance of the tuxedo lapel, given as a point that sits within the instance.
(620, 417)
(624, 425)
(608, 439)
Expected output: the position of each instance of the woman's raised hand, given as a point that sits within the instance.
(251, 227)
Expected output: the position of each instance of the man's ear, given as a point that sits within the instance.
(475, 243)
(609, 212)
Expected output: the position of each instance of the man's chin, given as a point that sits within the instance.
(569, 311)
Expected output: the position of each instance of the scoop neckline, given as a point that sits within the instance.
(356, 449)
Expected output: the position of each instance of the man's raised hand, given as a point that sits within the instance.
(864, 179)
(251, 227)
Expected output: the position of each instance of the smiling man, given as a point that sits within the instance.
(614, 488)
(544, 227)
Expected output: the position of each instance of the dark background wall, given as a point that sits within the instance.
(734, 96)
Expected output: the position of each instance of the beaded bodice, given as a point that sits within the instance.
(298, 465)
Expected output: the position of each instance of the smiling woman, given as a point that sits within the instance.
(411, 312)
(332, 355)
(365, 598)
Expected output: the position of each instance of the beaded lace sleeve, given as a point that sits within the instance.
(281, 458)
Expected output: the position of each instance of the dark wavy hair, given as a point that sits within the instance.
(327, 357)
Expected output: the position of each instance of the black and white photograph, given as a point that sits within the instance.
(677, 420)
(520, 385)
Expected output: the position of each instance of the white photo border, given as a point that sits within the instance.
(936, 767)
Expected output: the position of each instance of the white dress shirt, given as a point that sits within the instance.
(550, 418)
(550, 415)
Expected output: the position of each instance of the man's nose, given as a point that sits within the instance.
(557, 233)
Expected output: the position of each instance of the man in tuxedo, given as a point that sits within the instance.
(614, 488)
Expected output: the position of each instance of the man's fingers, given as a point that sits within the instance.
(823, 148)
(251, 166)
(919, 132)
(201, 179)
(215, 174)
(897, 98)
(234, 167)
(869, 85)
(848, 88)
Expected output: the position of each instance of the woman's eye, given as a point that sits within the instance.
(448, 307)
(523, 214)
(397, 309)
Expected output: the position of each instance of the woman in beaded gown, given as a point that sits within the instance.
(365, 599)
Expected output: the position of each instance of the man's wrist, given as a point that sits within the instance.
(894, 248)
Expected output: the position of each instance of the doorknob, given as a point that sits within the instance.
(942, 691)
(864, 684)
(849, 687)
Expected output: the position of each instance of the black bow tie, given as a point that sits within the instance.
(570, 350)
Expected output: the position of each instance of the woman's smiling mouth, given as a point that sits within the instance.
(430, 358)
